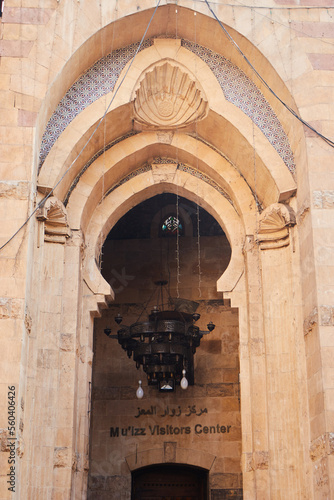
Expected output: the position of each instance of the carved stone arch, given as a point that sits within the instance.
(142, 187)
(222, 114)
(121, 162)
(92, 50)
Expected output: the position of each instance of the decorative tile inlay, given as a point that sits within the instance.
(144, 168)
(93, 84)
(205, 178)
(243, 93)
(159, 160)
(236, 86)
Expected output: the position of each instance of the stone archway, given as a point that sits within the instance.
(274, 228)
(123, 439)
(261, 280)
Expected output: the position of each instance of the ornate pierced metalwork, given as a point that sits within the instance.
(164, 345)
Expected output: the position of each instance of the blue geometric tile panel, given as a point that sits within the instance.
(103, 75)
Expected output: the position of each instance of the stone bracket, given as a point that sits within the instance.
(54, 215)
(274, 224)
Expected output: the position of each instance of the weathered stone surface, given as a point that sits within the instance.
(61, 457)
(20, 446)
(224, 481)
(248, 462)
(10, 308)
(311, 321)
(327, 315)
(318, 448)
(322, 446)
(4, 440)
(322, 61)
(26, 118)
(47, 358)
(16, 15)
(66, 342)
(117, 485)
(331, 443)
(220, 390)
(261, 460)
(321, 476)
(170, 451)
(28, 322)
(97, 482)
(15, 48)
(323, 199)
(85, 355)
(14, 189)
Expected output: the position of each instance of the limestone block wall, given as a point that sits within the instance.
(44, 49)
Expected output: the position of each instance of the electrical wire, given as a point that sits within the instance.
(42, 202)
(298, 117)
(275, 21)
(197, 185)
(257, 8)
(178, 273)
(326, 139)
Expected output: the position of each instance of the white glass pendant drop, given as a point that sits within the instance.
(139, 392)
(184, 381)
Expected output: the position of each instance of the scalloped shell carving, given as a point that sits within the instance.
(169, 97)
(54, 216)
(274, 226)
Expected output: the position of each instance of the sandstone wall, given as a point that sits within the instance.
(49, 289)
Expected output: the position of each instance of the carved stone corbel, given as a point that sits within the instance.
(53, 214)
(274, 226)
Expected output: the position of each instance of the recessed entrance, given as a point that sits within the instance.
(169, 482)
(198, 427)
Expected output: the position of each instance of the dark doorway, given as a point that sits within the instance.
(169, 482)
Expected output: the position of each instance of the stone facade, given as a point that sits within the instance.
(79, 149)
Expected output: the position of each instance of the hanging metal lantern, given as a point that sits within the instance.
(164, 345)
